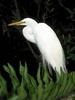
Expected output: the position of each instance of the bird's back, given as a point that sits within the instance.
(49, 46)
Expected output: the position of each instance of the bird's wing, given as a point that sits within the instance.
(49, 46)
(27, 32)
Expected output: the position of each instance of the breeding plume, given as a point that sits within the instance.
(47, 42)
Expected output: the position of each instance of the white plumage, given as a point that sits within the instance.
(46, 40)
(50, 47)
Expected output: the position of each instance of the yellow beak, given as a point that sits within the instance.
(17, 23)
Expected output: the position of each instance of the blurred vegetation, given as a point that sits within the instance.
(44, 88)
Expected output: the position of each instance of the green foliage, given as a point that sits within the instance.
(3, 86)
(44, 88)
(13, 76)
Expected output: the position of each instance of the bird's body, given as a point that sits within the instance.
(47, 41)
(50, 47)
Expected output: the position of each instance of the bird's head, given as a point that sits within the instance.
(25, 22)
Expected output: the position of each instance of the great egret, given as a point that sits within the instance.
(46, 40)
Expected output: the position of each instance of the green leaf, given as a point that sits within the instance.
(73, 78)
(39, 76)
(40, 90)
(69, 86)
(33, 81)
(22, 94)
(10, 69)
(14, 97)
(3, 86)
(31, 86)
(23, 70)
(62, 85)
(48, 89)
(55, 91)
(46, 77)
(13, 76)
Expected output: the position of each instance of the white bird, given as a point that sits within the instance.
(47, 42)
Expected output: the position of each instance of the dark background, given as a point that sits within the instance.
(14, 48)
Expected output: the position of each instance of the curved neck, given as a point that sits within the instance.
(33, 24)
